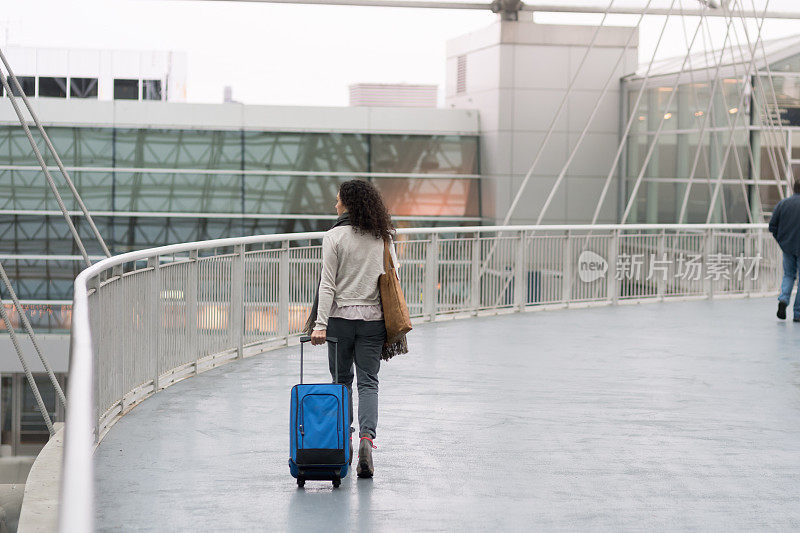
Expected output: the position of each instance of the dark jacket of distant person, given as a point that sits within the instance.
(785, 222)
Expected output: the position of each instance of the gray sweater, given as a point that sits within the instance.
(352, 262)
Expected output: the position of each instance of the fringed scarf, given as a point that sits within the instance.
(389, 350)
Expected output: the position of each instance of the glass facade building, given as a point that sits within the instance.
(148, 187)
(739, 136)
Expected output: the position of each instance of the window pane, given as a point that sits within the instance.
(6, 413)
(735, 203)
(437, 154)
(28, 189)
(773, 155)
(28, 84)
(178, 193)
(702, 166)
(640, 112)
(185, 149)
(430, 197)
(699, 95)
(15, 149)
(33, 429)
(146, 232)
(668, 202)
(83, 87)
(34, 234)
(126, 89)
(291, 194)
(770, 196)
(267, 226)
(42, 280)
(82, 147)
(53, 87)
(151, 89)
(338, 152)
(787, 91)
(697, 204)
(663, 161)
(638, 146)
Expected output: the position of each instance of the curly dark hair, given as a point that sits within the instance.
(366, 208)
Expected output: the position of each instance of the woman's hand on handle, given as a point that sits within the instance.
(319, 336)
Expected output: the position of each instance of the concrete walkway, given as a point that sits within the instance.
(675, 416)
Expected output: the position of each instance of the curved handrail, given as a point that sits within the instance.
(76, 504)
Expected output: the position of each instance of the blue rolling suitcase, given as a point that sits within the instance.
(319, 428)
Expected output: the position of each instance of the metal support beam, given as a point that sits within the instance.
(545, 8)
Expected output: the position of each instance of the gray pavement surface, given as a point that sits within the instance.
(674, 416)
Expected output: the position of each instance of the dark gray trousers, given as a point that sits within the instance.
(360, 342)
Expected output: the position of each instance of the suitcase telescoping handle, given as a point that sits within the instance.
(305, 338)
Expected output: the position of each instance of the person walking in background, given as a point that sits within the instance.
(785, 227)
(348, 305)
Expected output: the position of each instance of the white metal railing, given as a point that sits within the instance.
(145, 320)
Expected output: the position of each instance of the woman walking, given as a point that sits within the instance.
(348, 305)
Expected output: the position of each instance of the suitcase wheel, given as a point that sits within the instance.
(336, 482)
(301, 481)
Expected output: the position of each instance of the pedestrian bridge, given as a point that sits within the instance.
(609, 409)
(658, 417)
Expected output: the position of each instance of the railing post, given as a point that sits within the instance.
(154, 317)
(283, 291)
(708, 248)
(192, 281)
(661, 282)
(429, 296)
(758, 243)
(566, 276)
(611, 280)
(519, 273)
(748, 253)
(475, 277)
(236, 330)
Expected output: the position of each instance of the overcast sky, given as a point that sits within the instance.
(301, 54)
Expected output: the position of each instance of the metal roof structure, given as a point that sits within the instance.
(706, 60)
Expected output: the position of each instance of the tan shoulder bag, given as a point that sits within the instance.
(395, 310)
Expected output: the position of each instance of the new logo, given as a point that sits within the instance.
(591, 266)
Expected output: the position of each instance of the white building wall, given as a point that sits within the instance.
(517, 75)
(168, 115)
(105, 65)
